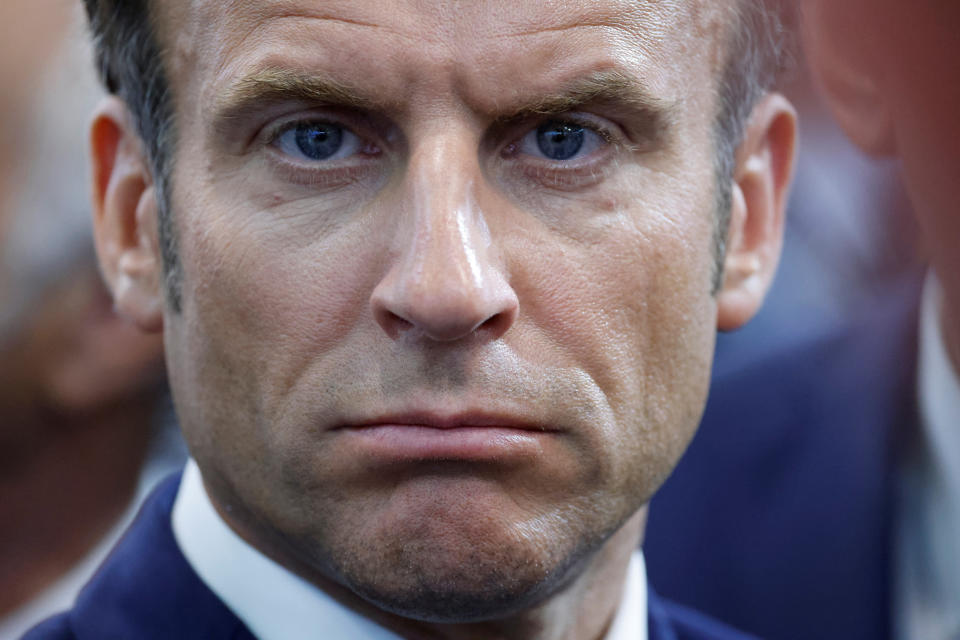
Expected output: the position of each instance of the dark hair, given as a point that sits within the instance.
(759, 51)
(130, 61)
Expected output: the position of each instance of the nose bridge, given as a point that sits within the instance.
(451, 243)
(446, 280)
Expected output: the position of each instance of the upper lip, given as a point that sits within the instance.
(469, 419)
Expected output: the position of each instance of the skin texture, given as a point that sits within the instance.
(443, 274)
(892, 88)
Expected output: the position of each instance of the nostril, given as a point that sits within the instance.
(392, 323)
(443, 309)
(497, 324)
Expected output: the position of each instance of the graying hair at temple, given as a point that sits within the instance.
(760, 51)
(130, 62)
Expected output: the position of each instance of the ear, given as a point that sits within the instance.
(762, 178)
(841, 59)
(125, 216)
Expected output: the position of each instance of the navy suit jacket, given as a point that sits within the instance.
(779, 517)
(147, 590)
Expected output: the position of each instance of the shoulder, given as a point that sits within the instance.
(146, 589)
(804, 436)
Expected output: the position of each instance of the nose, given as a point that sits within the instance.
(446, 282)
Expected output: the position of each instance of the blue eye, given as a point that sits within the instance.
(559, 141)
(317, 141)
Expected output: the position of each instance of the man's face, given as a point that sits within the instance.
(447, 316)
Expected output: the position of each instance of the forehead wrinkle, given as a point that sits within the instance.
(253, 43)
(658, 39)
(223, 29)
(639, 24)
(269, 14)
(649, 19)
(646, 18)
(619, 19)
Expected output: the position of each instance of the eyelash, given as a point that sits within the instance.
(567, 175)
(336, 173)
(609, 138)
(554, 174)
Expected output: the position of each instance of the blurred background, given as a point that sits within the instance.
(85, 421)
(850, 236)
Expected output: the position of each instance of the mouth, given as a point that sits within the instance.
(427, 437)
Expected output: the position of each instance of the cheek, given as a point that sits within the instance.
(630, 304)
(261, 304)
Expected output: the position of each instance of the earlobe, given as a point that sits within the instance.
(125, 217)
(742, 273)
(137, 293)
(762, 178)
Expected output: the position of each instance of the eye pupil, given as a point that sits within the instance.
(560, 140)
(319, 141)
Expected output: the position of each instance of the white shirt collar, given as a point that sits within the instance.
(276, 604)
(928, 558)
(939, 388)
(631, 619)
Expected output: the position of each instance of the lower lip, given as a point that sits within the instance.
(399, 443)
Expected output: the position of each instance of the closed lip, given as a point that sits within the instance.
(465, 420)
(470, 436)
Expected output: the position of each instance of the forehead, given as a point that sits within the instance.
(480, 49)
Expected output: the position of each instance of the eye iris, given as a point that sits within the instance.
(560, 140)
(319, 141)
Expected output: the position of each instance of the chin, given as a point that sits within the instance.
(478, 588)
(454, 568)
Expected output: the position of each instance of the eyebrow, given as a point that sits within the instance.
(609, 87)
(649, 115)
(276, 86)
(647, 118)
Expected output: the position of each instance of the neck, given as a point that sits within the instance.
(68, 488)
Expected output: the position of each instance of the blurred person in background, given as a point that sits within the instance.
(81, 391)
(850, 235)
(821, 498)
